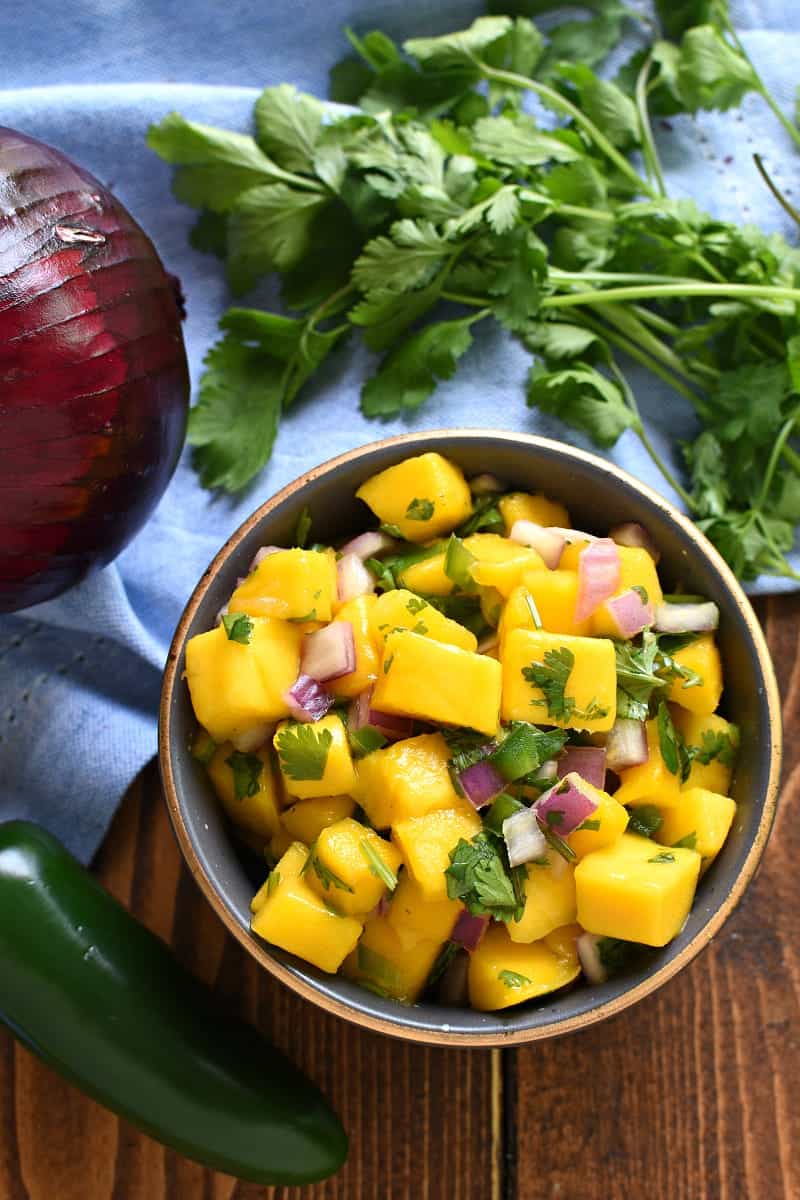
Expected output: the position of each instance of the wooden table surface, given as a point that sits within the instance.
(691, 1095)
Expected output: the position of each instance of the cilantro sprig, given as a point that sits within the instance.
(479, 876)
(441, 188)
(303, 750)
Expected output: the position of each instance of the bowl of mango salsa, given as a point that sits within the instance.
(470, 737)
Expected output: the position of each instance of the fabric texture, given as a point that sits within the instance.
(80, 675)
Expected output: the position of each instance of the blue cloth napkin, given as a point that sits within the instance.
(80, 676)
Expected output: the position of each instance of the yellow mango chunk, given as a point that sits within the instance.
(571, 554)
(636, 569)
(401, 609)
(246, 787)
(554, 595)
(611, 820)
(650, 782)
(424, 496)
(236, 687)
(345, 866)
(702, 657)
(290, 584)
(315, 758)
(701, 817)
(383, 962)
(278, 844)
(416, 916)
(503, 973)
(500, 563)
(306, 819)
(359, 613)
(407, 779)
(522, 506)
(549, 900)
(562, 941)
(289, 866)
(425, 843)
(294, 917)
(427, 679)
(705, 733)
(427, 576)
(583, 692)
(636, 890)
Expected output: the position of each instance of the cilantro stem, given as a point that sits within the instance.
(633, 328)
(792, 457)
(763, 90)
(471, 301)
(779, 196)
(649, 151)
(772, 463)
(644, 438)
(679, 290)
(560, 103)
(640, 355)
(648, 317)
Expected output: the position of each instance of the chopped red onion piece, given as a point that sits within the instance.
(523, 838)
(630, 533)
(468, 929)
(261, 554)
(352, 578)
(486, 485)
(253, 738)
(630, 612)
(547, 542)
(361, 714)
(481, 783)
(626, 744)
(587, 761)
(687, 618)
(369, 544)
(329, 653)
(307, 700)
(598, 576)
(589, 958)
(565, 806)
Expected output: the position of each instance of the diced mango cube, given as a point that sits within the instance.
(522, 506)
(427, 679)
(427, 575)
(503, 973)
(407, 779)
(570, 556)
(651, 782)
(701, 819)
(500, 563)
(549, 900)
(401, 609)
(705, 734)
(315, 758)
(295, 918)
(425, 843)
(294, 585)
(359, 613)
(554, 595)
(424, 496)
(289, 866)
(702, 657)
(278, 844)
(306, 819)
(636, 890)
(416, 916)
(345, 866)
(236, 687)
(245, 784)
(604, 827)
(637, 569)
(580, 688)
(381, 961)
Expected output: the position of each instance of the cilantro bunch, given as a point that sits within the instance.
(441, 202)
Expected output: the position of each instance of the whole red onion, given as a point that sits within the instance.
(94, 384)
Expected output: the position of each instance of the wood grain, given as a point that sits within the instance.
(692, 1094)
(689, 1096)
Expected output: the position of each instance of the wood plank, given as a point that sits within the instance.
(420, 1120)
(691, 1094)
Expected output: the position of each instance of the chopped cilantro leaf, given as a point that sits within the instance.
(420, 510)
(480, 877)
(641, 592)
(416, 604)
(672, 745)
(689, 842)
(383, 574)
(392, 530)
(387, 665)
(377, 866)
(644, 819)
(552, 677)
(512, 979)
(591, 823)
(557, 843)
(247, 770)
(238, 627)
(302, 529)
(303, 750)
(326, 877)
(311, 615)
(663, 857)
(273, 881)
(719, 745)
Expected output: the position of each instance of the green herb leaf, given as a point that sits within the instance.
(689, 842)
(591, 823)
(717, 744)
(409, 374)
(583, 398)
(511, 979)
(288, 126)
(303, 750)
(644, 819)
(672, 745)
(552, 677)
(711, 72)
(238, 627)
(247, 770)
(326, 877)
(273, 881)
(377, 866)
(303, 528)
(663, 857)
(480, 877)
(420, 510)
(458, 562)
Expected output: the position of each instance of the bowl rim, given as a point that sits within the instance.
(450, 1037)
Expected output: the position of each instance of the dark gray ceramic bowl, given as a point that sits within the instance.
(598, 495)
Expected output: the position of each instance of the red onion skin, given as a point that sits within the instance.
(94, 383)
